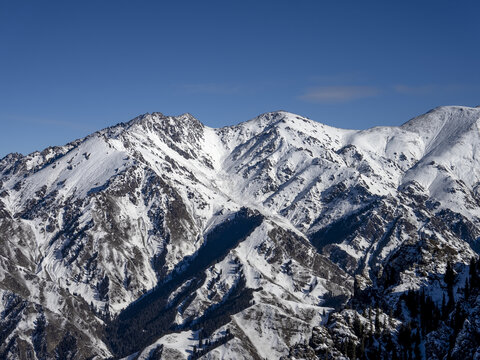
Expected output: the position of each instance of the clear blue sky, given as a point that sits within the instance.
(68, 68)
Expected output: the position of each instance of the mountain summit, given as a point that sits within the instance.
(279, 237)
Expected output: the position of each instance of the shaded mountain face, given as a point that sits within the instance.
(278, 237)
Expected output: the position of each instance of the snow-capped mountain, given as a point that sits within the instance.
(164, 238)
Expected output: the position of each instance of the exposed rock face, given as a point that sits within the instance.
(278, 237)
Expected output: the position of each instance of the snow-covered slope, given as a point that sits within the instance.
(120, 228)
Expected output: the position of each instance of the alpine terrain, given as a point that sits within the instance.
(278, 238)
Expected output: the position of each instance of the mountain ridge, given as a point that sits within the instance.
(92, 226)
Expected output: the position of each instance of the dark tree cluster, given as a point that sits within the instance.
(10, 317)
(102, 313)
(420, 315)
(102, 288)
(374, 338)
(39, 340)
(207, 345)
(156, 354)
(423, 310)
(66, 348)
(473, 282)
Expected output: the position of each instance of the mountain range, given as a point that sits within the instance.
(277, 238)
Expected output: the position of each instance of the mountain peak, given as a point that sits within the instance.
(443, 124)
(158, 117)
(270, 117)
(443, 114)
(274, 117)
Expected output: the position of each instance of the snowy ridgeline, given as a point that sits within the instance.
(250, 241)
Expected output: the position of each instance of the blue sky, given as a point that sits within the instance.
(68, 68)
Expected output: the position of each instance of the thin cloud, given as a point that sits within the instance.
(332, 94)
(210, 88)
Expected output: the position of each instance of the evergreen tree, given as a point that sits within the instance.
(39, 337)
(444, 307)
(352, 350)
(357, 325)
(345, 347)
(449, 279)
(404, 338)
(377, 322)
(473, 275)
(390, 318)
(361, 352)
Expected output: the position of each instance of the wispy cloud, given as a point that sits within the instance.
(210, 88)
(332, 94)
